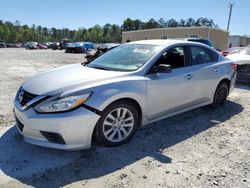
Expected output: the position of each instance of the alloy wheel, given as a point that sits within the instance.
(118, 124)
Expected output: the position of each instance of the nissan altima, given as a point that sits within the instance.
(109, 98)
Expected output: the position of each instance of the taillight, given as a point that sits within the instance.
(234, 66)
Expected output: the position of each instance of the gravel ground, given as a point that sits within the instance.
(199, 148)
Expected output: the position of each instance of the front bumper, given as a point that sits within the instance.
(71, 130)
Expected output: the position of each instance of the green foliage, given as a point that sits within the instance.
(17, 33)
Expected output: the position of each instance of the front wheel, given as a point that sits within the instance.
(220, 95)
(117, 124)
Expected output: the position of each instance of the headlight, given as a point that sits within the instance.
(63, 104)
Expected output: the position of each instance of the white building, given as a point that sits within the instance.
(237, 41)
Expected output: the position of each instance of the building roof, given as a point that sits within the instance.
(241, 36)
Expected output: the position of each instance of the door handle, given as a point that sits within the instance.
(188, 76)
(216, 69)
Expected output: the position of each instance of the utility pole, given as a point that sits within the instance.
(230, 13)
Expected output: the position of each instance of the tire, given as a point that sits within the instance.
(117, 125)
(220, 95)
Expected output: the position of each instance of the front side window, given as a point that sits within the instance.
(127, 57)
(175, 57)
(200, 55)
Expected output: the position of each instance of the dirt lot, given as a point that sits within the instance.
(200, 148)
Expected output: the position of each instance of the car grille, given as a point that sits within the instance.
(27, 97)
(53, 137)
(19, 125)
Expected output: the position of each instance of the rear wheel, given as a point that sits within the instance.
(117, 124)
(220, 95)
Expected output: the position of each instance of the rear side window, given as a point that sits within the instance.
(200, 55)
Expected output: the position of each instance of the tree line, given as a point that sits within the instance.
(17, 33)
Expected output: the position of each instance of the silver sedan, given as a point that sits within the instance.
(109, 98)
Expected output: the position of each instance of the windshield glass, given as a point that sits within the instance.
(127, 57)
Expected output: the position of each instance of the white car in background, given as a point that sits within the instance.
(242, 57)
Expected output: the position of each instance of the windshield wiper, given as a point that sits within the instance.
(101, 68)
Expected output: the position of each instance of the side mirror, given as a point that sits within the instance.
(162, 68)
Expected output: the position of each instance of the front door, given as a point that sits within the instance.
(170, 92)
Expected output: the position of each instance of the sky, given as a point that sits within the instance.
(74, 14)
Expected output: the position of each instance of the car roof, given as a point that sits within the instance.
(160, 42)
(110, 45)
(166, 42)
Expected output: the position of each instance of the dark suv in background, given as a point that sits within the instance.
(203, 41)
(199, 40)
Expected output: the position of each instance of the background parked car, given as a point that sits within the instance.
(79, 47)
(42, 46)
(242, 59)
(31, 45)
(10, 45)
(63, 43)
(90, 55)
(203, 41)
(232, 50)
(2, 44)
(17, 45)
(55, 46)
(50, 44)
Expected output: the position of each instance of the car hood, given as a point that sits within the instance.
(67, 78)
(239, 59)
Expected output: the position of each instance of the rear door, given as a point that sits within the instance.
(207, 71)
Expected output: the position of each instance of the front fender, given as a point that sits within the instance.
(107, 94)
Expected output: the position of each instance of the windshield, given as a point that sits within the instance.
(127, 57)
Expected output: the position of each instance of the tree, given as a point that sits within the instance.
(161, 23)
(115, 33)
(172, 23)
(15, 32)
(53, 33)
(1, 32)
(80, 34)
(95, 34)
(151, 24)
(190, 22)
(182, 23)
(127, 25)
(45, 33)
